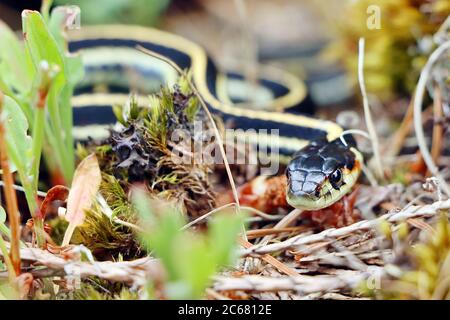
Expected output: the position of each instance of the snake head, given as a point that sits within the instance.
(321, 174)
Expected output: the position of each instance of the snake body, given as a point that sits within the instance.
(111, 59)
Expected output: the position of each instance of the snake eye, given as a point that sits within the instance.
(336, 179)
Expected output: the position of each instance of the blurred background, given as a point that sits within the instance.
(315, 40)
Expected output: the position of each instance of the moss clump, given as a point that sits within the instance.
(162, 145)
(101, 232)
(143, 151)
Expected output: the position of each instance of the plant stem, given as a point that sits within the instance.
(38, 138)
(11, 199)
(59, 147)
(367, 115)
(45, 9)
(11, 273)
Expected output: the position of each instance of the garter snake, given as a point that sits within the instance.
(319, 174)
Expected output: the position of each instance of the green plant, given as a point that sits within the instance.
(190, 259)
(39, 75)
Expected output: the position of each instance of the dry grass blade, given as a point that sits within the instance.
(272, 261)
(367, 114)
(438, 130)
(285, 222)
(397, 140)
(418, 100)
(257, 233)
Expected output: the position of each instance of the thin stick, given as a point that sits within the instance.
(396, 141)
(16, 187)
(136, 271)
(353, 131)
(257, 233)
(300, 283)
(283, 223)
(418, 100)
(438, 130)
(206, 215)
(367, 114)
(10, 195)
(213, 123)
(272, 261)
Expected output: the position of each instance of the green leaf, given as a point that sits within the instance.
(75, 69)
(17, 138)
(196, 264)
(3, 228)
(189, 258)
(41, 45)
(2, 215)
(15, 69)
(222, 236)
(162, 224)
(163, 241)
(56, 26)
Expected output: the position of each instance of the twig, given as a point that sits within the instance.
(393, 217)
(272, 261)
(438, 130)
(263, 215)
(300, 283)
(398, 138)
(211, 119)
(367, 114)
(418, 99)
(132, 272)
(206, 215)
(257, 233)
(286, 221)
(16, 187)
(215, 295)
